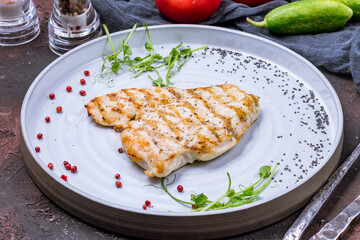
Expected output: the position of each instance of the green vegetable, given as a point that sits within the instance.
(177, 56)
(149, 63)
(144, 64)
(154, 61)
(309, 16)
(354, 5)
(115, 63)
(201, 203)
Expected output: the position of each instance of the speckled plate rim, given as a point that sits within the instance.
(334, 148)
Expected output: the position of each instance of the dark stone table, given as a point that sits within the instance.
(26, 213)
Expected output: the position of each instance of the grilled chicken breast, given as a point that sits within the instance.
(162, 129)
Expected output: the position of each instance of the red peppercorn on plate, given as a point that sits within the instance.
(299, 129)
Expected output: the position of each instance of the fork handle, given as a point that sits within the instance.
(337, 226)
(297, 229)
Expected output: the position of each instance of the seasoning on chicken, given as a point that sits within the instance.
(162, 129)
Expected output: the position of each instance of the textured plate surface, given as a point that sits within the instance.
(300, 127)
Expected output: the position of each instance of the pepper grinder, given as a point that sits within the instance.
(72, 23)
(19, 23)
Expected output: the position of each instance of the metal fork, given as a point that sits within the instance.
(298, 228)
(337, 226)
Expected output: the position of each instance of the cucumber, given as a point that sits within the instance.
(354, 5)
(308, 16)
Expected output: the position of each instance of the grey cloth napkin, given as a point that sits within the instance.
(338, 52)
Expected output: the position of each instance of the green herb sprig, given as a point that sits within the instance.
(146, 63)
(177, 56)
(106, 71)
(150, 63)
(201, 203)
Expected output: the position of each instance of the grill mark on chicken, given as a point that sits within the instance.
(124, 109)
(246, 100)
(169, 130)
(153, 97)
(162, 129)
(155, 154)
(131, 149)
(172, 127)
(204, 142)
(174, 93)
(202, 120)
(157, 149)
(132, 98)
(224, 98)
(222, 109)
(154, 128)
(206, 116)
(223, 118)
(100, 108)
(180, 117)
(248, 103)
(168, 97)
(148, 98)
(138, 105)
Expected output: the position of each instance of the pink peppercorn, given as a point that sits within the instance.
(180, 188)
(118, 184)
(73, 169)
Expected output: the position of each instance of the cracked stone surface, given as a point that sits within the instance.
(26, 213)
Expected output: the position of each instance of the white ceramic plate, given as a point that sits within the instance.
(300, 127)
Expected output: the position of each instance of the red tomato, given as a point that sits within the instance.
(188, 11)
(253, 3)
